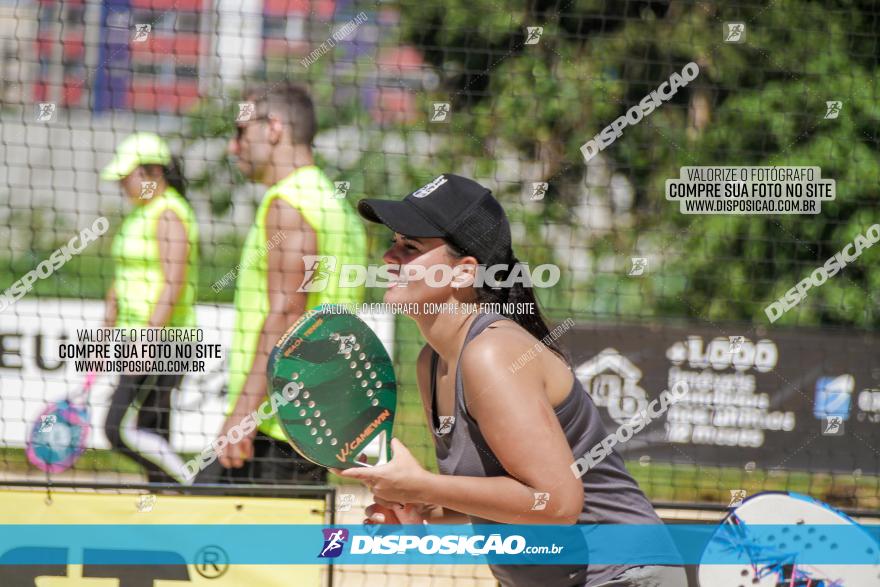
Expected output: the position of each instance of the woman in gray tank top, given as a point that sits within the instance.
(507, 418)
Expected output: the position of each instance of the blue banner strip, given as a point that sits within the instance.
(447, 544)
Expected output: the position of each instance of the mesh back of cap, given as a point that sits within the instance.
(485, 232)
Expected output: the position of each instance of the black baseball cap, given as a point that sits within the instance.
(451, 207)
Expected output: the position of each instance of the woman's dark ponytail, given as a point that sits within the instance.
(509, 297)
(534, 322)
(174, 175)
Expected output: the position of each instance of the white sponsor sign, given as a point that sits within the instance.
(32, 375)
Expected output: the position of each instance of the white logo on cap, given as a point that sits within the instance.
(429, 188)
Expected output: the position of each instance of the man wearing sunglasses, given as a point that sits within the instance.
(299, 224)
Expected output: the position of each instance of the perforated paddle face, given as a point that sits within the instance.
(783, 509)
(346, 395)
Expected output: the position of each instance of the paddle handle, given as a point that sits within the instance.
(89, 382)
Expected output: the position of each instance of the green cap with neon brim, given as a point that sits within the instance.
(142, 148)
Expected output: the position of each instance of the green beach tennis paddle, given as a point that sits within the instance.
(347, 390)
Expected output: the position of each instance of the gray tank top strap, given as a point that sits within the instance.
(480, 323)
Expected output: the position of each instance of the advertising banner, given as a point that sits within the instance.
(32, 374)
(80, 558)
(797, 399)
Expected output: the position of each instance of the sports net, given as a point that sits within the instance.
(578, 115)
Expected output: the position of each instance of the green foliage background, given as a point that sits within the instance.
(540, 103)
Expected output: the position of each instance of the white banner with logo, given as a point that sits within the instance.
(31, 374)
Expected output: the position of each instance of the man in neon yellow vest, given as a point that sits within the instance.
(298, 219)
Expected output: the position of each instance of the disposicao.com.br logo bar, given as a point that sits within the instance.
(430, 544)
(310, 544)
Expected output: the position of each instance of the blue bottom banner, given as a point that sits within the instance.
(271, 544)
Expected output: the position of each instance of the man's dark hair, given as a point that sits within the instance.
(292, 103)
